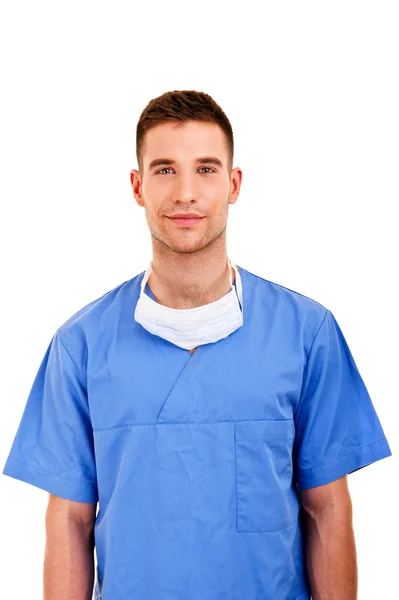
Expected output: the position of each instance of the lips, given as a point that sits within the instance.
(186, 216)
(186, 219)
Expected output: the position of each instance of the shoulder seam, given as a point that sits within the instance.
(288, 289)
(73, 361)
(306, 362)
(314, 339)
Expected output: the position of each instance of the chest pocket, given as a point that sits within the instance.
(265, 497)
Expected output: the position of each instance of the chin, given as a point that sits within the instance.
(186, 246)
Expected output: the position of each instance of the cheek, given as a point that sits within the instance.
(219, 202)
(212, 196)
(154, 200)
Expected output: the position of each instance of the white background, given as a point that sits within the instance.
(311, 90)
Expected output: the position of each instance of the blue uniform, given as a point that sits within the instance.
(196, 460)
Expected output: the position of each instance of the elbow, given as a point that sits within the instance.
(332, 499)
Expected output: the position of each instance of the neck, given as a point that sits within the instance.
(187, 280)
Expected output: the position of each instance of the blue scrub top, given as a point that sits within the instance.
(196, 460)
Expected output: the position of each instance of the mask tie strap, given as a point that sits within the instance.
(146, 276)
(238, 284)
(230, 275)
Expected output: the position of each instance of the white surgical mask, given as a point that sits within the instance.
(192, 327)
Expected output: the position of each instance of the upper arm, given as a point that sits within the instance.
(337, 429)
(330, 496)
(53, 448)
(83, 513)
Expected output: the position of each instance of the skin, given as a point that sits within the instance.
(68, 569)
(190, 269)
(331, 558)
(189, 264)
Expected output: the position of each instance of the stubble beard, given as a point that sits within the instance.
(185, 246)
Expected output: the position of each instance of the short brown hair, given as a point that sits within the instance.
(183, 105)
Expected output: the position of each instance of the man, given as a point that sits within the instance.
(214, 415)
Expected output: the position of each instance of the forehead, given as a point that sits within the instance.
(184, 141)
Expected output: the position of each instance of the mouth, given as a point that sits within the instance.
(186, 219)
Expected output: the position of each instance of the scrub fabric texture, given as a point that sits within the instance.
(196, 460)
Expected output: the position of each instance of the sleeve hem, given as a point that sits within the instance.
(354, 460)
(78, 491)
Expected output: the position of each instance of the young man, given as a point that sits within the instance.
(214, 415)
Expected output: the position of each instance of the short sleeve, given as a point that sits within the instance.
(337, 430)
(53, 447)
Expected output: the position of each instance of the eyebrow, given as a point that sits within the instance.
(208, 160)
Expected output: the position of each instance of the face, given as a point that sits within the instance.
(185, 172)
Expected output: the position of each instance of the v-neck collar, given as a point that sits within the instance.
(187, 353)
(178, 358)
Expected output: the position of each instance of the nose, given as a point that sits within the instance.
(185, 189)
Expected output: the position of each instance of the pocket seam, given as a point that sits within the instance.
(247, 436)
(242, 430)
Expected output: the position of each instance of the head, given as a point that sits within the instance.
(184, 148)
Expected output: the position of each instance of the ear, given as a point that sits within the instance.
(235, 184)
(135, 179)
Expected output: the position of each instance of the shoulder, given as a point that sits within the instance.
(290, 307)
(93, 318)
(282, 293)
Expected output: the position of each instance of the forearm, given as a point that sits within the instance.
(331, 555)
(68, 572)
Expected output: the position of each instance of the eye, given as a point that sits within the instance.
(168, 168)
